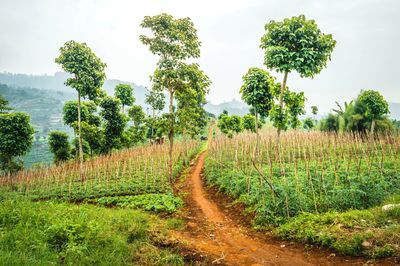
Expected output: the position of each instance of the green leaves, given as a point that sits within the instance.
(87, 69)
(230, 125)
(115, 123)
(296, 44)
(375, 106)
(59, 146)
(16, 137)
(124, 92)
(4, 105)
(258, 90)
(156, 100)
(172, 38)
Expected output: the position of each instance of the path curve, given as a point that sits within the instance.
(212, 232)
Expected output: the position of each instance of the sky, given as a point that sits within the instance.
(366, 55)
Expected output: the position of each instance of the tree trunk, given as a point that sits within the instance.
(283, 87)
(171, 134)
(123, 109)
(372, 127)
(152, 127)
(80, 137)
(257, 137)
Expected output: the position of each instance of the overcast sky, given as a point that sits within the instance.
(366, 56)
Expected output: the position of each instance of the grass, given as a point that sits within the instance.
(48, 233)
(373, 233)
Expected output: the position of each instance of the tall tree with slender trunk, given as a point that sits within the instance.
(156, 100)
(87, 76)
(174, 41)
(295, 44)
(257, 91)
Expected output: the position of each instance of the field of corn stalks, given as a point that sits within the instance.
(137, 171)
(310, 172)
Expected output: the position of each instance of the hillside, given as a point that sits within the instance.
(56, 83)
(234, 107)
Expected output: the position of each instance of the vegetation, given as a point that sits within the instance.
(316, 172)
(88, 75)
(258, 92)
(174, 41)
(124, 92)
(366, 114)
(373, 233)
(295, 44)
(230, 125)
(136, 171)
(59, 146)
(49, 233)
(16, 137)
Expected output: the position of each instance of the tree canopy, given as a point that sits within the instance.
(16, 138)
(124, 92)
(296, 44)
(258, 90)
(87, 69)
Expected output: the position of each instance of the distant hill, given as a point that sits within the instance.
(56, 83)
(394, 110)
(234, 107)
(43, 106)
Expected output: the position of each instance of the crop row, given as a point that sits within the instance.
(309, 172)
(134, 171)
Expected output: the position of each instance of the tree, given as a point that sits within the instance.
(4, 107)
(314, 110)
(88, 76)
(156, 100)
(124, 92)
(295, 44)
(93, 135)
(331, 123)
(249, 123)
(137, 114)
(90, 123)
(375, 106)
(294, 102)
(174, 41)
(257, 91)
(192, 118)
(308, 123)
(230, 125)
(87, 109)
(59, 146)
(114, 123)
(16, 138)
(136, 133)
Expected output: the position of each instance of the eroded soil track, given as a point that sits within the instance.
(215, 234)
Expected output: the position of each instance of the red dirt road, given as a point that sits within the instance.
(213, 233)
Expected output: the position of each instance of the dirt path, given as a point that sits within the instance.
(216, 235)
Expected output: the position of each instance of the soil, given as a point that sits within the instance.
(225, 237)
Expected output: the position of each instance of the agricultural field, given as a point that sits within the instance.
(137, 176)
(115, 221)
(318, 188)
